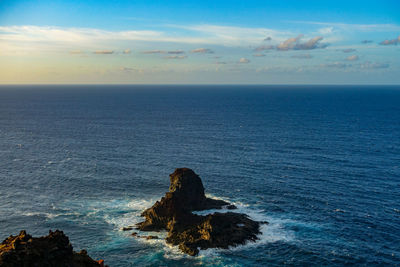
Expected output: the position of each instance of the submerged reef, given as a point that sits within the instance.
(51, 250)
(191, 232)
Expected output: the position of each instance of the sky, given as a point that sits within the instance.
(199, 42)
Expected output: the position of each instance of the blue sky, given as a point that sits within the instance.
(261, 42)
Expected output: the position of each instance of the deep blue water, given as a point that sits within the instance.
(321, 164)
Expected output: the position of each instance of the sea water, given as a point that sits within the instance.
(321, 164)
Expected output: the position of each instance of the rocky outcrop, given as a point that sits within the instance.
(189, 231)
(51, 250)
(186, 194)
(218, 230)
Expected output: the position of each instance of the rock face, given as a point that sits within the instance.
(51, 250)
(189, 231)
(186, 194)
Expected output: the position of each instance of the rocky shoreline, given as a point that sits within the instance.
(191, 232)
(173, 213)
(51, 250)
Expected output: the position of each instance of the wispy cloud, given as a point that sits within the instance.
(126, 51)
(374, 65)
(71, 35)
(264, 47)
(338, 65)
(258, 55)
(355, 27)
(154, 52)
(175, 57)
(302, 56)
(229, 35)
(202, 51)
(295, 44)
(176, 52)
(130, 70)
(126, 69)
(76, 52)
(103, 52)
(352, 58)
(391, 42)
(244, 60)
(348, 50)
(366, 41)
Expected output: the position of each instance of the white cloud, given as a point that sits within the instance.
(228, 35)
(295, 44)
(244, 60)
(326, 30)
(352, 58)
(126, 51)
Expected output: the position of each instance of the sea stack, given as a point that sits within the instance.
(190, 231)
(51, 250)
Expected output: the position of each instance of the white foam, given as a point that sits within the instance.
(141, 204)
(275, 231)
(43, 214)
(272, 232)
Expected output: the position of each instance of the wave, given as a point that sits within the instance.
(121, 213)
(274, 231)
(41, 214)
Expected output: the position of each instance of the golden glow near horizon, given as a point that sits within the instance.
(140, 50)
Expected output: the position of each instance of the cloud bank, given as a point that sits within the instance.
(391, 42)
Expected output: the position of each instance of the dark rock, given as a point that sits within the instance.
(51, 250)
(151, 237)
(134, 233)
(189, 231)
(231, 207)
(127, 228)
(218, 230)
(186, 194)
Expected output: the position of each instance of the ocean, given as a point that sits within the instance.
(321, 164)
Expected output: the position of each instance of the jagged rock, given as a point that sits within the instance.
(51, 250)
(151, 237)
(218, 230)
(189, 231)
(186, 194)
